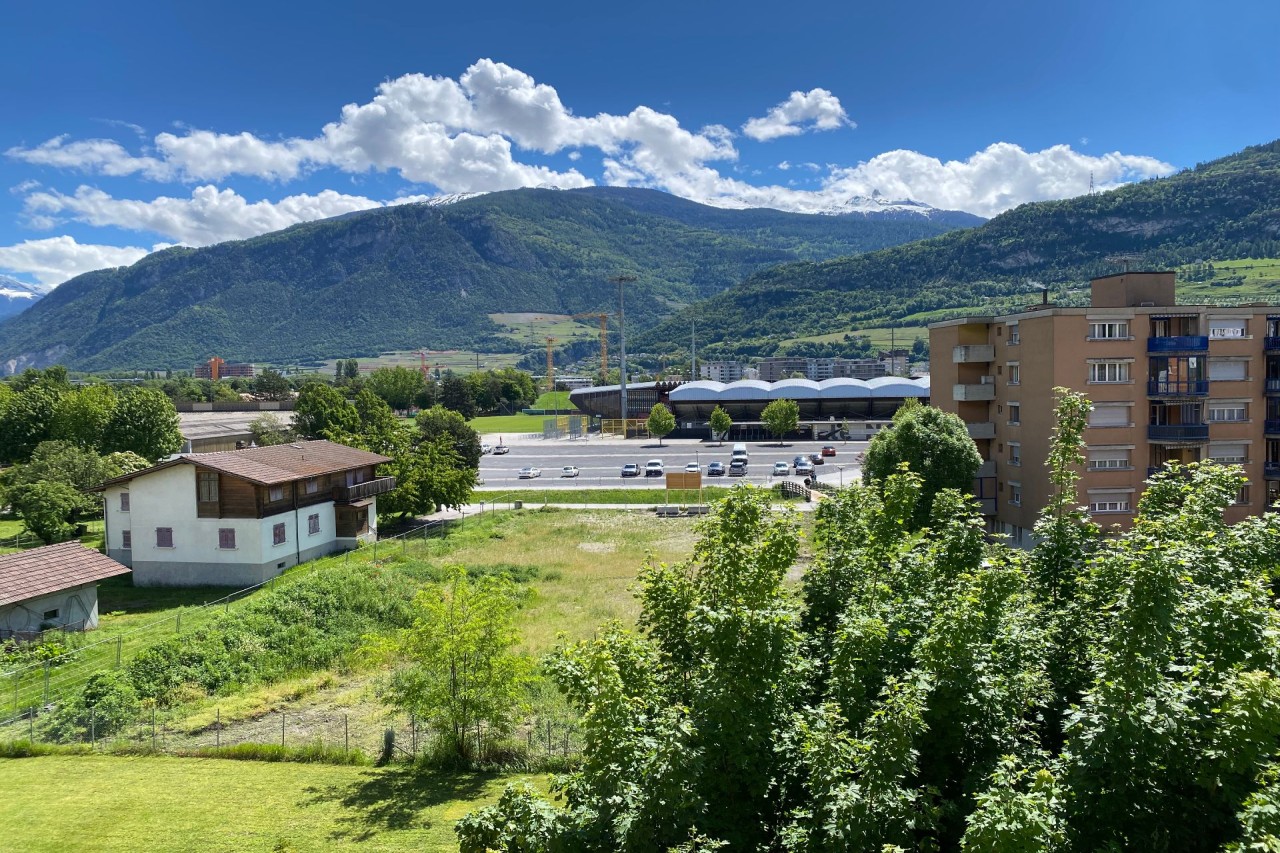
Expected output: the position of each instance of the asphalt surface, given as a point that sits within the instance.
(600, 460)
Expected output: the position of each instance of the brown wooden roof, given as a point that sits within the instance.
(268, 466)
(53, 568)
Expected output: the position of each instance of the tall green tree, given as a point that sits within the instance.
(144, 422)
(83, 415)
(781, 417)
(272, 385)
(442, 423)
(27, 420)
(50, 509)
(661, 421)
(455, 394)
(321, 410)
(460, 671)
(398, 386)
(721, 423)
(933, 443)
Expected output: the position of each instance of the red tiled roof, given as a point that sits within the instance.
(268, 466)
(41, 571)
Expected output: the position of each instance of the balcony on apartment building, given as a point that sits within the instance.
(1271, 343)
(1178, 388)
(1271, 426)
(360, 491)
(1180, 433)
(973, 354)
(981, 429)
(984, 390)
(1178, 343)
(1271, 470)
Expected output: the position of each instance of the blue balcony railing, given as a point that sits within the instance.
(1179, 343)
(1271, 469)
(1178, 388)
(1271, 342)
(1178, 432)
(1273, 386)
(1271, 426)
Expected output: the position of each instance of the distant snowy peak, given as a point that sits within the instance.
(17, 296)
(449, 198)
(878, 206)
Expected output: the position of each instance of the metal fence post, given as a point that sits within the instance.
(346, 734)
(119, 649)
(217, 731)
(282, 728)
(46, 682)
(93, 727)
(178, 623)
(31, 724)
(153, 728)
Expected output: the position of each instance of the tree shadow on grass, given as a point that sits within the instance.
(394, 799)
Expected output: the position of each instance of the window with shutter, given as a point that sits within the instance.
(1110, 416)
(277, 534)
(1227, 328)
(1102, 458)
(124, 501)
(1229, 454)
(227, 538)
(1227, 369)
(126, 539)
(313, 523)
(164, 537)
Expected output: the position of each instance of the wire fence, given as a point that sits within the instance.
(32, 688)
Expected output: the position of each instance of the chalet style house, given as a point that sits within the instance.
(239, 517)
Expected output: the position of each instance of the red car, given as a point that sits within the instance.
(828, 451)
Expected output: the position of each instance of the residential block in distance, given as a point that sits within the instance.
(1168, 383)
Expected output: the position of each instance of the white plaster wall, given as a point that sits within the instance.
(303, 541)
(117, 520)
(73, 606)
(167, 498)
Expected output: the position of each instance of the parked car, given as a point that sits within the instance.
(797, 460)
(693, 468)
(529, 472)
(804, 466)
(502, 449)
(738, 468)
(569, 471)
(653, 468)
(828, 450)
(781, 469)
(715, 469)
(816, 458)
(486, 449)
(631, 469)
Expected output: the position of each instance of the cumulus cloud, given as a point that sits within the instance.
(816, 109)
(210, 215)
(103, 156)
(55, 259)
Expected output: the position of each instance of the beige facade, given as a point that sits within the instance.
(1168, 382)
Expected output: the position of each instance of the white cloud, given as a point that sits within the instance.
(816, 109)
(103, 156)
(55, 259)
(210, 215)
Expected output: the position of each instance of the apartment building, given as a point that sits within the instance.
(1168, 382)
(721, 371)
(777, 369)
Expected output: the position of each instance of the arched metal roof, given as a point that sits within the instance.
(703, 389)
(795, 389)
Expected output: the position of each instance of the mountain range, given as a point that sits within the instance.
(17, 296)
(1221, 210)
(429, 275)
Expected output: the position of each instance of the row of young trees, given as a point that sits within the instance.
(929, 690)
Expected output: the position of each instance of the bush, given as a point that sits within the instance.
(105, 705)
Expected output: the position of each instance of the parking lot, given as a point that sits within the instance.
(599, 461)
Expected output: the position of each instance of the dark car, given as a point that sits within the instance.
(631, 469)
(816, 458)
(738, 468)
(715, 469)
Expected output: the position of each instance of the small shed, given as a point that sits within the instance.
(52, 587)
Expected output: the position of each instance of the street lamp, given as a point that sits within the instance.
(840, 468)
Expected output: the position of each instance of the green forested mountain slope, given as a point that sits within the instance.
(1229, 208)
(420, 276)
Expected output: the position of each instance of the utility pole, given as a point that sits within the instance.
(693, 353)
(620, 280)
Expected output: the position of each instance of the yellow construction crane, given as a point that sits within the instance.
(604, 338)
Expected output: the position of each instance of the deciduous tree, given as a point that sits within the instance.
(661, 421)
(721, 423)
(781, 417)
(144, 422)
(321, 410)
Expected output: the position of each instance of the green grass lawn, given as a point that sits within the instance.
(512, 424)
(107, 803)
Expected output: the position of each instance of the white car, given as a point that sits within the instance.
(501, 449)
(529, 472)
(781, 469)
(693, 468)
(653, 468)
(569, 471)
(486, 449)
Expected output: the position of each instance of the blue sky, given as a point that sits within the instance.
(184, 123)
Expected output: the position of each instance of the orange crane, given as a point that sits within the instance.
(604, 337)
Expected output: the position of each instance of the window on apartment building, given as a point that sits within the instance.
(124, 501)
(313, 524)
(313, 486)
(1226, 412)
(227, 538)
(1235, 453)
(277, 534)
(1102, 458)
(1242, 496)
(1015, 373)
(1015, 413)
(1220, 369)
(1015, 453)
(1109, 416)
(207, 487)
(275, 493)
(1014, 337)
(1015, 494)
(164, 537)
(1109, 329)
(1227, 328)
(1109, 504)
(1109, 371)
(126, 539)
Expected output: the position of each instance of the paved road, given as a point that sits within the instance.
(600, 461)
